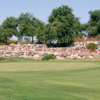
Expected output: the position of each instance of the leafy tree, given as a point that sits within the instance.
(80, 28)
(94, 23)
(77, 27)
(49, 33)
(40, 31)
(2, 39)
(9, 28)
(28, 25)
(81, 34)
(63, 21)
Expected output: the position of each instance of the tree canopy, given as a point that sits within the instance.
(94, 23)
(9, 28)
(63, 22)
(62, 26)
(27, 25)
(40, 31)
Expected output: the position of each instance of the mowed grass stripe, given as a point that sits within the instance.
(45, 66)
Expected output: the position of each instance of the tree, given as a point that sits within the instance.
(49, 33)
(77, 27)
(2, 39)
(27, 25)
(81, 34)
(63, 21)
(9, 28)
(40, 31)
(80, 28)
(94, 23)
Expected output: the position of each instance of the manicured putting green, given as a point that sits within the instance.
(27, 79)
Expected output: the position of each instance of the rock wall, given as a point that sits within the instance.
(37, 51)
(83, 44)
(39, 55)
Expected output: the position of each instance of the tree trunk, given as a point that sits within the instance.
(76, 34)
(81, 30)
(6, 40)
(46, 42)
(32, 39)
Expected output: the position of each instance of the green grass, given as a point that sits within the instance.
(28, 79)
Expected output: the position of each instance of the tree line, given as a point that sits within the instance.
(62, 26)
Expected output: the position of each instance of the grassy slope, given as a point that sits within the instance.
(49, 80)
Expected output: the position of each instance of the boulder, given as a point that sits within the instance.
(36, 56)
(58, 57)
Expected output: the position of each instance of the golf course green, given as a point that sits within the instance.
(28, 79)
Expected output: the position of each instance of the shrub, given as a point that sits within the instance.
(97, 37)
(2, 43)
(79, 40)
(47, 57)
(33, 42)
(91, 46)
(10, 41)
(74, 58)
(86, 57)
(96, 57)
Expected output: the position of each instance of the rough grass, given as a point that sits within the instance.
(28, 79)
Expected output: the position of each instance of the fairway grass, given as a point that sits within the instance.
(26, 79)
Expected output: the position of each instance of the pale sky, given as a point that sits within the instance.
(41, 9)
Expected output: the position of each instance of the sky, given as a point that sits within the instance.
(41, 9)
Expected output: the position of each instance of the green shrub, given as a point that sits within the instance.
(47, 57)
(91, 46)
(79, 40)
(97, 37)
(74, 58)
(33, 42)
(96, 57)
(23, 42)
(86, 57)
(10, 41)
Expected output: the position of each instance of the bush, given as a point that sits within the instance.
(33, 42)
(97, 37)
(79, 40)
(24, 42)
(10, 41)
(96, 57)
(74, 58)
(91, 46)
(2, 43)
(48, 57)
(86, 57)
